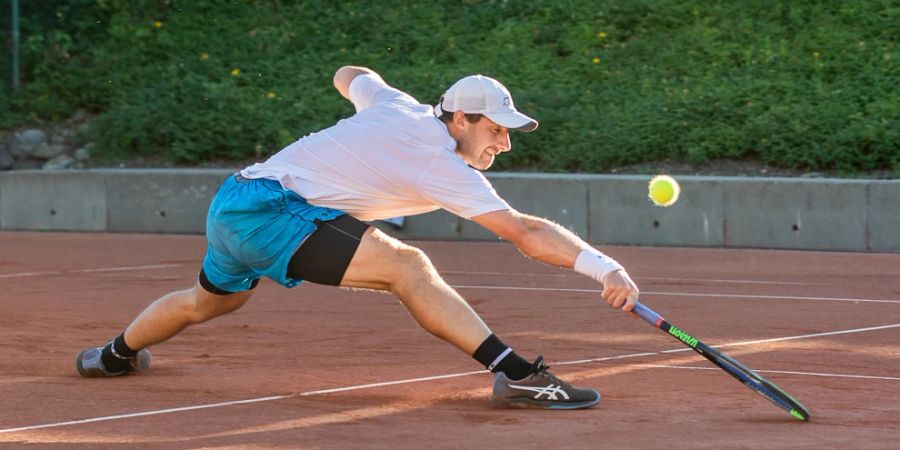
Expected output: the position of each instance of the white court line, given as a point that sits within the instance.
(574, 275)
(28, 274)
(785, 372)
(459, 286)
(385, 383)
(671, 294)
(686, 294)
(96, 270)
(451, 272)
(126, 268)
(715, 280)
(413, 380)
(146, 413)
(805, 336)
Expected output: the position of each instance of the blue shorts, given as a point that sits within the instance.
(253, 229)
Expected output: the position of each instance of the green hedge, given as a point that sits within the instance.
(803, 85)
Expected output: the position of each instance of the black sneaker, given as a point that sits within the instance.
(540, 389)
(90, 365)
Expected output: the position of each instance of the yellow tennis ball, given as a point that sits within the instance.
(663, 190)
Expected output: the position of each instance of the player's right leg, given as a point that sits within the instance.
(174, 312)
(163, 319)
(239, 211)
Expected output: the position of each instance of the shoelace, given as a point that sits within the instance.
(544, 369)
(539, 366)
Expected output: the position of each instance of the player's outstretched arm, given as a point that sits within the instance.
(345, 75)
(550, 243)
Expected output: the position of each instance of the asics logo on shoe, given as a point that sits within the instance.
(550, 391)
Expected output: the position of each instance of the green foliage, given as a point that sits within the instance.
(56, 37)
(804, 85)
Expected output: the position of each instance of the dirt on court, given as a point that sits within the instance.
(320, 367)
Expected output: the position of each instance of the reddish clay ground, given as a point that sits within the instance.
(63, 292)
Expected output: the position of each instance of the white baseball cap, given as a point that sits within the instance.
(478, 94)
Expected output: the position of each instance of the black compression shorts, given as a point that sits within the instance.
(325, 255)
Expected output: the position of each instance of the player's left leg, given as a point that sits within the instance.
(347, 253)
(385, 263)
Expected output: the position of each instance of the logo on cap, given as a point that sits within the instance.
(506, 101)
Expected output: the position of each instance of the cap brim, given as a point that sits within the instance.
(514, 121)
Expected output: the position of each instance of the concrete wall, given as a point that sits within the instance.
(817, 214)
(144, 200)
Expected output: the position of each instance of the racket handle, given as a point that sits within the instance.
(650, 316)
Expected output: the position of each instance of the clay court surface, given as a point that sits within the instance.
(320, 367)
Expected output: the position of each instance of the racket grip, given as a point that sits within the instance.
(650, 316)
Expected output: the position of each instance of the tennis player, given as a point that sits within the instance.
(299, 216)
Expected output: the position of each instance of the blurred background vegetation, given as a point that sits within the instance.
(807, 85)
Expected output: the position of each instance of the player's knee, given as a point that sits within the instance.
(203, 306)
(413, 261)
(411, 266)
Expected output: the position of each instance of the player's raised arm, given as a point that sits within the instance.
(345, 75)
(550, 243)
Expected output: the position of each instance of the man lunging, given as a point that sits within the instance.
(299, 216)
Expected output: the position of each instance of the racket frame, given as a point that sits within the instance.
(733, 367)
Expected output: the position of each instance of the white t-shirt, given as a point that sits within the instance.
(392, 158)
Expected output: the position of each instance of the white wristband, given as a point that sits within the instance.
(596, 265)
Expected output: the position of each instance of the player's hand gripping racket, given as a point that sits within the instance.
(734, 368)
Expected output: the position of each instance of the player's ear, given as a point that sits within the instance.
(459, 119)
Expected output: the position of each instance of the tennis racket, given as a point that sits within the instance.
(730, 365)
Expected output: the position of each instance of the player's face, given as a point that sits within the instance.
(481, 142)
